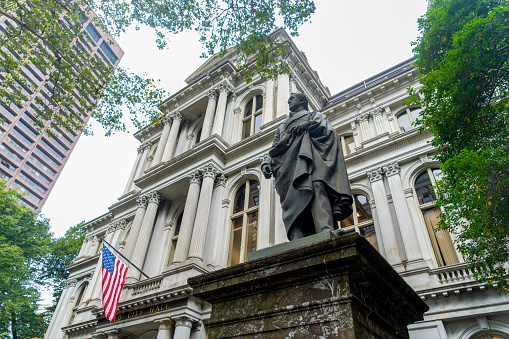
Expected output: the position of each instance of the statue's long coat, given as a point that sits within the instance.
(299, 159)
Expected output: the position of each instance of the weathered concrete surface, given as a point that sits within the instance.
(336, 288)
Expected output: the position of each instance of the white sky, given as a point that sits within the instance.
(346, 42)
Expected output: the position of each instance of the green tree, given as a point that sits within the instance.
(49, 35)
(463, 59)
(62, 253)
(24, 240)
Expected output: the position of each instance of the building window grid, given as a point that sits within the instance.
(7, 164)
(112, 58)
(244, 222)
(441, 241)
(31, 182)
(16, 144)
(21, 136)
(52, 149)
(46, 157)
(347, 144)
(37, 174)
(407, 120)
(26, 191)
(42, 165)
(11, 154)
(253, 113)
(361, 220)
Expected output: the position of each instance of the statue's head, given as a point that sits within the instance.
(298, 101)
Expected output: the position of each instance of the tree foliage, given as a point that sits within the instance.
(62, 252)
(462, 56)
(49, 37)
(24, 242)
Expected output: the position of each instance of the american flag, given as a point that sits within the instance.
(114, 272)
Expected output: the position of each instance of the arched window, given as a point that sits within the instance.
(175, 237)
(440, 240)
(198, 136)
(408, 119)
(347, 144)
(361, 220)
(244, 221)
(490, 335)
(252, 120)
(79, 299)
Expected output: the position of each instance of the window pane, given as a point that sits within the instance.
(109, 52)
(177, 226)
(246, 129)
(350, 145)
(363, 208)
(257, 123)
(416, 115)
(369, 233)
(198, 136)
(404, 123)
(259, 102)
(422, 189)
(440, 240)
(236, 241)
(437, 173)
(253, 193)
(240, 198)
(248, 110)
(252, 226)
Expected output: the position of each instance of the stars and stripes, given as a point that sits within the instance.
(113, 272)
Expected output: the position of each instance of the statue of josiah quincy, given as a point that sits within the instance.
(309, 169)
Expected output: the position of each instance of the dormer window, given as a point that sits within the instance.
(252, 120)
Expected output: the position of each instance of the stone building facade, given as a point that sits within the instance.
(196, 201)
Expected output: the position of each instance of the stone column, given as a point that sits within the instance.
(393, 122)
(172, 138)
(364, 126)
(209, 115)
(269, 112)
(356, 137)
(155, 258)
(136, 226)
(145, 149)
(416, 215)
(228, 121)
(283, 94)
(378, 231)
(162, 140)
(202, 214)
(143, 239)
(379, 124)
(133, 171)
(83, 248)
(186, 228)
(183, 327)
(224, 89)
(384, 213)
(165, 330)
(63, 310)
(412, 248)
(196, 330)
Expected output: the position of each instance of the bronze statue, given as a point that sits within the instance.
(309, 169)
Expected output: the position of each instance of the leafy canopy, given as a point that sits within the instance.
(24, 242)
(56, 37)
(462, 56)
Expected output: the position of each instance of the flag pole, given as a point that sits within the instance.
(133, 265)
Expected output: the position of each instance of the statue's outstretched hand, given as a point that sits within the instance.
(300, 128)
(267, 171)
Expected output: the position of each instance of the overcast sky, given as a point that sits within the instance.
(345, 42)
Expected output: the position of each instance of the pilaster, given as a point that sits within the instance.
(172, 137)
(209, 114)
(224, 89)
(163, 140)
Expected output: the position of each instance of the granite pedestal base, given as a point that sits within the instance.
(340, 287)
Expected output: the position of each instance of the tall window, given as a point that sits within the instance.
(78, 301)
(252, 116)
(440, 240)
(347, 144)
(361, 220)
(407, 120)
(244, 221)
(174, 238)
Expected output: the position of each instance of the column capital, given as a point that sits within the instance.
(117, 225)
(146, 145)
(166, 120)
(165, 324)
(141, 201)
(353, 124)
(375, 174)
(153, 197)
(141, 149)
(232, 98)
(150, 158)
(220, 180)
(121, 244)
(237, 110)
(392, 169)
(195, 177)
(176, 115)
(70, 283)
(211, 93)
(183, 321)
(372, 204)
(209, 170)
(190, 136)
(226, 202)
(223, 87)
(409, 192)
(377, 111)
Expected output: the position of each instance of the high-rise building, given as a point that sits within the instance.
(31, 159)
(196, 201)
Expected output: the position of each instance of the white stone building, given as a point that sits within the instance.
(196, 202)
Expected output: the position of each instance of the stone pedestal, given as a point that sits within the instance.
(323, 286)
